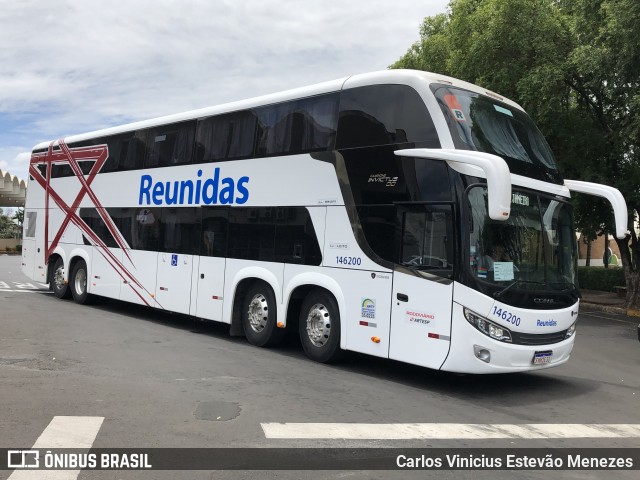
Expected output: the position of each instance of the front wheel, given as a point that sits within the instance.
(320, 327)
(58, 285)
(78, 282)
(259, 316)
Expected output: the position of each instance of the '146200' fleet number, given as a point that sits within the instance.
(506, 316)
(348, 260)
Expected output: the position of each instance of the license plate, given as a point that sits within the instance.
(540, 358)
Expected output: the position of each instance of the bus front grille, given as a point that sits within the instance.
(537, 338)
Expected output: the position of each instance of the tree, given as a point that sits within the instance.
(8, 229)
(574, 65)
(18, 216)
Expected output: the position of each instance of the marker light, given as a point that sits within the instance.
(280, 324)
(375, 339)
(490, 329)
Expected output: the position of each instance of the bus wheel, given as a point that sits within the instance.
(320, 327)
(259, 316)
(78, 282)
(60, 289)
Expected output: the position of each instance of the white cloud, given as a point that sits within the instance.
(70, 67)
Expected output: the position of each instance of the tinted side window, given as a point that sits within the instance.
(296, 240)
(273, 234)
(64, 169)
(131, 151)
(426, 238)
(59, 170)
(117, 149)
(180, 230)
(214, 231)
(379, 228)
(252, 233)
(146, 229)
(417, 236)
(43, 170)
(384, 114)
(95, 222)
(226, 137)
(123, 220)
(118, 146)
(169, 145)
(299, 126)
(140, 227)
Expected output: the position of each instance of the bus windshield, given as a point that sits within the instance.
(534, 249)
(481, 123)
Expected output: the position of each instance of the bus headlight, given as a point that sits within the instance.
(490, 329)
(571, 330)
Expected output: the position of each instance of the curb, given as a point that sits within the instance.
(609, 309)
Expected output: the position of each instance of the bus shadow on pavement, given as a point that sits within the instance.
(510, 389)
(527, 388)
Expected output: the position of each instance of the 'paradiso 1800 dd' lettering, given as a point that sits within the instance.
(207, 191)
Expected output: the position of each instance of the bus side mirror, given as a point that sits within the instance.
(479, 164)
(612, 194)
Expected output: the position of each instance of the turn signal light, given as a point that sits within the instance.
(280, 325)
(375, 339)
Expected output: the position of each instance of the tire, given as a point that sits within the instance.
(319, 327)
(259, 316)
(60, 289)
(78, 283)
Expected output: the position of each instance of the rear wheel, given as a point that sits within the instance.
(60, 288)
(78, 282)
(320, 327)
(259, 316)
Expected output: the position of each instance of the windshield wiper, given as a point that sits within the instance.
(498, 295)
(424, 267)
(566, 285)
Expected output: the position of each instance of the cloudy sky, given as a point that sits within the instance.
(71, 66)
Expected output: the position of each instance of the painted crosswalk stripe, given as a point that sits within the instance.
(33, 290)
(446, 431)
(63, 432)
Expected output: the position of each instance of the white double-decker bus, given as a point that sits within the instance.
(401, 214)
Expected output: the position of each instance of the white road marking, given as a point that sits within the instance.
(42, 290)
(446, 431)
(62, 432)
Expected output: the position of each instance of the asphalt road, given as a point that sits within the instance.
(162, 380)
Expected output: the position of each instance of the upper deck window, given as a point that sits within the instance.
(297, 126)
(384, 115)
(226, 137)
(481, 123)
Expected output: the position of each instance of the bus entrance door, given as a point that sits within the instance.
(211, 265)
(210, 288)
(420, 319)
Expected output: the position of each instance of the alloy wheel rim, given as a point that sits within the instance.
(58, 277)
(81, 281)
(258, 313)
(318, 325)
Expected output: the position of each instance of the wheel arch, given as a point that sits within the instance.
(240, 283)
(76, 255)
(301, 285)
(57, 253)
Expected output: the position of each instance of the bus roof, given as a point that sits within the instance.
(408, 77)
